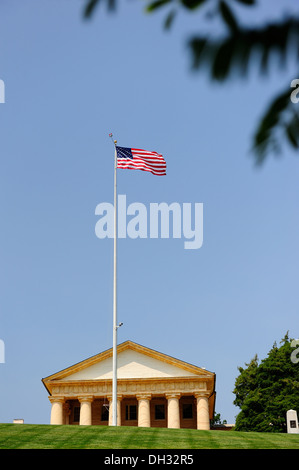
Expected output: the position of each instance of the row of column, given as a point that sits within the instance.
(144, 417)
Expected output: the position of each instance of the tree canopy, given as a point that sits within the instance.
(235, 52)
(266, 391)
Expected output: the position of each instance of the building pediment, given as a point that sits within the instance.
(133, 362)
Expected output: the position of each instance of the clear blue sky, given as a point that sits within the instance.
(68, 84)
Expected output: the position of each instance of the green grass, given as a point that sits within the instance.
(39, 436)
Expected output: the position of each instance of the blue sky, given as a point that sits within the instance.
(68, 84)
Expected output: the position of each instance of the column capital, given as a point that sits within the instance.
(201, 394)
(110, 397)
(172, 395)
(144, 396)
(57, 399)
(85, 398)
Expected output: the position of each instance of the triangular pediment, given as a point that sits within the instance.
(133, 362)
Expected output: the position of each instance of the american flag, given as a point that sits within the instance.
(138, 159)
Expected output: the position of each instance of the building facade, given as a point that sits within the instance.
(153, 390)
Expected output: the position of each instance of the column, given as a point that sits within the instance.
(109, 398)
(203, 415)
(56, 410)
(119, 398)
(85, 410)
(173, 410)
(119, 410)
(144, 414)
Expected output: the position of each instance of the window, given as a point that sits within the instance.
(187, 411)
(159, 412)
(105, 413)
(76, 414)
(131, 412)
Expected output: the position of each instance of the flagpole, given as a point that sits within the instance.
(115, 327)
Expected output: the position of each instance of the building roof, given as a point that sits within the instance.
(133, 361)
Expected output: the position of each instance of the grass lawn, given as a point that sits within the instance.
(39, 436)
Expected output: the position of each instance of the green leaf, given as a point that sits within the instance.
(222, 60)
(228, 16)
(198, 47)
(89, 8)
(292, 131)
(264, 138)
(157, 4)
(92, 4)
(192, 4)
(241, 45)
(246, 2)
(169, 19)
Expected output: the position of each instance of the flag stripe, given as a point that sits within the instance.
(127, 164)
(152, 163)
(138, 159)
(154, 172)
(140, 166)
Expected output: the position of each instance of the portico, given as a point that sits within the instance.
(154, 390)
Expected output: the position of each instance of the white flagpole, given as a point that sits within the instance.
(115, 327)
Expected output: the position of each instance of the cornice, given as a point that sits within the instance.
(146, 380)
(129, 388)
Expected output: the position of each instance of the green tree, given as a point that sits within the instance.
(266, 391)
(217, 419)
(236, 51)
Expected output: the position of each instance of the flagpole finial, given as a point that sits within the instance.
(114, 141)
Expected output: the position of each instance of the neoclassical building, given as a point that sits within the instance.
(153, 390)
